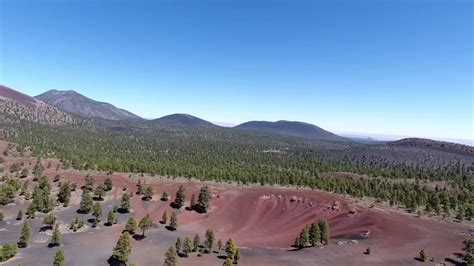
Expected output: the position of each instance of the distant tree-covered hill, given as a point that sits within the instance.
(292, 128)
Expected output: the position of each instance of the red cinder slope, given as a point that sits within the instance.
(17, 96)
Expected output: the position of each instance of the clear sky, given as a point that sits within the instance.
(382, 66)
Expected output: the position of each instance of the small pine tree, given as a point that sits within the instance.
(97, 213)
(99, 192)
(171, 257)
(423, 256)
(219, 245)
(304, 238)
(227, 262)
(56, 237)
(59, 258)
(24, 235)
(209, 242)
(108, 184)
(187, 246)
(131, 226)
(165, 196)
(230, 248)
(204, 198)
(111, 218)
(86, 203)
(324, 229)
(180, 197)
(237, 256)
(469, 249)
(123, 248)
(148, 193)
(164, 218)
(174, 221)
(196, 242)
(125, 203)
(49, 220)
(145, 224)
(177, 245)
(368, 251)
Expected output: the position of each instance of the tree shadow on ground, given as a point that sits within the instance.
(170, 228)
(222, 257)
(46, 228)
(138, 237)
(174, 206)
(122, 211)
(114, 262)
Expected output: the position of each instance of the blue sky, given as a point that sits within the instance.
(382, 67)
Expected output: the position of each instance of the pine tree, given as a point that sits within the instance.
(89, 186)
(164, 218)
(304, 238)
(64, 193)
(31, 211)
(180, 197)
(209, 242)
(237, 256)
(24, 235)
(99, 192)
(86, 203)
(149, 192)
(111, 218)
(165, 196)
(177, 245)
(187, 246)
(131, 226)
(368, 251)
(203, 199)
(324, 229)
(125, 203)
(108, 184)
(97, 213)
(297, 242)
(469, 249)
(314, 234)
(227, 262)
(230, 248)
(196, 242)
(171, 257)
(145, 224)
(423, 256)
(59, 258)
(123, 248)
(174, 221)
(56, 237)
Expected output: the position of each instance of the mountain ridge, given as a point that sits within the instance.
(76, 103)
(183, 120)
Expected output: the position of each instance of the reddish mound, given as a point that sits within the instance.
(272, 217)
(17, 96)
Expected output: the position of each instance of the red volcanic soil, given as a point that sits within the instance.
(269, 217)
(17, 96)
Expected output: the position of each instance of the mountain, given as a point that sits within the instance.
(16, 106)
(291, 128)
(183, 120)
(73, 102)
